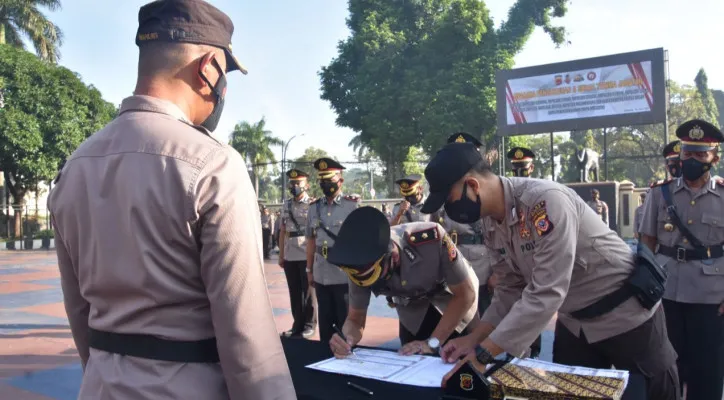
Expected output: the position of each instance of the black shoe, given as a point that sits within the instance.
(308, 332)
(291, 333)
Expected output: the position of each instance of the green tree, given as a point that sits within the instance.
(707, 98)
(254, 143)
(20, 18)
(305, 163)
(48, 113)
(719, 100)
(412, 72)
(414, 161)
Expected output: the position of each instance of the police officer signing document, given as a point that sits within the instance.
(157, 232)
(562, 258)
(419, 265)
(684, 218)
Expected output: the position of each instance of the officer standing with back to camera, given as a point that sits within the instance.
(157, 232)
(408, 210)
(325, 217)
(417, 263)
(293, 255)
(561, 258)
(689, 235)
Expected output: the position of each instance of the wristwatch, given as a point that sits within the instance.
(433, 343)
(483, 355)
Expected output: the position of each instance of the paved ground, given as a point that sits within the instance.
(38, 360)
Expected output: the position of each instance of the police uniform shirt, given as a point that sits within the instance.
(295, 241)
(600, 207)
(332, 216)
(480, 257)
(267, 221)
(427, 258)
(412, 214)
(696, 281)
(560, 258)
(638, 217)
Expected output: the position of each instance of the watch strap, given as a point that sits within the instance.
(483, 355)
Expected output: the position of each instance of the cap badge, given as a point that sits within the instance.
(696, 133)
(293, 174)
(518, 155)
(322, 165)
(405, 185)
(677, 148)
(460, 139)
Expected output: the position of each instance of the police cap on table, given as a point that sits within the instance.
(462, 137)
(187, 21)
(361, 244)
(699, 135)
(450, 164)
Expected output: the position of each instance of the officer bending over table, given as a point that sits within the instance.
(418, 264)
(561, 257)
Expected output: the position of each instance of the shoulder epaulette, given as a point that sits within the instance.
(661, 183)
(424, 236)
(352, 197)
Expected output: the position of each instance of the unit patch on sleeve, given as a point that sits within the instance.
(539, 216)
(452, 252)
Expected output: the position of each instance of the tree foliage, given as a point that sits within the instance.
(48, 112)
(711, 112)
(412, 72)
(20, 18)
(254, 142)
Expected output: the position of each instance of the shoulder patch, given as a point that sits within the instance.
(539, 216)
(352, 197)
(423, 236)
(452, 251)
(661, 183)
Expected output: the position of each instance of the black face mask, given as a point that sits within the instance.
(212, 121)
(412, 199)
(464, 211)
(329, 189)
(521, 172)
(674, 169)
(296, 191)
(692, 169)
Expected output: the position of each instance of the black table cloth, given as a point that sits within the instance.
(317, 385)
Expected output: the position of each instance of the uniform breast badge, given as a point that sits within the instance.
(325, 248)
(668, 227)
(539, 215)
(522, 228)
(452, 253)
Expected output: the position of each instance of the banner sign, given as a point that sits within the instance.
(617, 90)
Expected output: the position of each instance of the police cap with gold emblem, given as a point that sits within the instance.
(327, 167)
(672, 150)
(187, 21)
(409, 184)
(462, 137)
(521, 155)
(699, 135)
(361, 245)
(296, 175)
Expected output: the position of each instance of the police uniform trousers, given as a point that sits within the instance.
(643, 350)
(301, 296)
(428, 325)
(332, 306)
(266, 241)
(697, 333)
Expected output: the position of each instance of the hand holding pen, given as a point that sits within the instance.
(339, 344)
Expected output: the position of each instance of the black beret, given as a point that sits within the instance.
(450, 164)
(363, 238)
(462, 137)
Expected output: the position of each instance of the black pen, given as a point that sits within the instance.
(360, 388)
(339, 332)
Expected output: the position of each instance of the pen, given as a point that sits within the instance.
(360, 388)
(339, 332)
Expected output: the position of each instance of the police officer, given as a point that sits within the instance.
(408, 210)
(598, 205)
(638, 214)
(163, 279)
(689, 243)
(562, 258)
(293, 254)
(521, 159)
(672, 160)
(325, 217)
(418, 265)
(267, 225)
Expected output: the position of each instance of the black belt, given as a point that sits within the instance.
(295, 234)
(154, 348)
(466, 239)
(682, 255)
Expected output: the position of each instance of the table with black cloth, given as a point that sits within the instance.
(317, 385)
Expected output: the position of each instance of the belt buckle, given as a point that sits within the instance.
(454, 237)
(680, 254)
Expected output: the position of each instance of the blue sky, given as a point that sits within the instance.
(284, 43)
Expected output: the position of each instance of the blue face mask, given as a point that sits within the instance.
(464, 211)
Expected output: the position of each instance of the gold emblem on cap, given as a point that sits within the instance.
(460, 139)
(677, 147)
(696, 133)
(293, 174)
(404, 185)
(668, 227)
(518, 154)
(322, 165)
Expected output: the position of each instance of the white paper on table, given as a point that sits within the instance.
(381, 365)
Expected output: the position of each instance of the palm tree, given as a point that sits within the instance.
(254, 143)
(20, 18)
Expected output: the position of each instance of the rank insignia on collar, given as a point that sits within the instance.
(452, 252)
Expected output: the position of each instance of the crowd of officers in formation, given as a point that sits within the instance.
(163, 276)
(483, 268)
